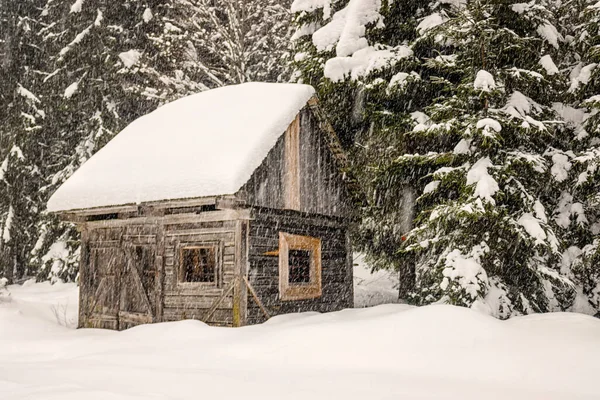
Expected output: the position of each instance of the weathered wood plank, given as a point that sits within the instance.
(217, 302)
(197, 302)
(160, 269)
(172, 232)
(240, 295)
(210, 216)
(84, 277)
(256, 298)
(292, 166)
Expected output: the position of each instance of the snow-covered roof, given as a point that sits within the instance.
(206, 144)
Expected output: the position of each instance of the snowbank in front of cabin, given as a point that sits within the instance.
(205, 144)
(385, 352)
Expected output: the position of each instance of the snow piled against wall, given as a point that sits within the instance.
(385, 352)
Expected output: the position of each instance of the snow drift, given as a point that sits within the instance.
(385, 352)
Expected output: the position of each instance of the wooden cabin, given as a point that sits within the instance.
(229, 206)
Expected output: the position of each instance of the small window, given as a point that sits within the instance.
(198, 264)
(299, 267)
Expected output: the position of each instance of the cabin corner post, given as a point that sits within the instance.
(84, 266)
(240, 294)
(160, 271)
(350, 268)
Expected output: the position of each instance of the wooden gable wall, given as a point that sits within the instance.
(321, 187)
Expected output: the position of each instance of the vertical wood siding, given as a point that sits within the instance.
(322, 189)
(114, 294)
(193, 301)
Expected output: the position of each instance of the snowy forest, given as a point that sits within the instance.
(471, 126)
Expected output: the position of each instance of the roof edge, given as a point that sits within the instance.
(73, 214)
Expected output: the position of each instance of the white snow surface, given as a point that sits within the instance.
(27, 94)
(484, 81)
(71, 90)
(304, 30)
(430, 22)
(581, 76)
(347, 28)
(466, 270)
(463, 147)
(520, 8)
(561, 166)
(364, 61)
(431, 186)
(486, 185)
(76, 7)
(533, 227)
(205, 144)
(312, 5)
(488, 125)
(548, 64)
(8, 224)
(130, 58)
(386, 352)
(550, 34)
(373, 288)
(147, 15)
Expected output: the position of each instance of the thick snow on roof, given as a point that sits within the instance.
(201, 145)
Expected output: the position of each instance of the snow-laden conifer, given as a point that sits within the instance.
(456, 100)
(579, 208)
(485, 236)
(91, 67)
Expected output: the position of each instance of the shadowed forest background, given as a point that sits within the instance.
(471, 125)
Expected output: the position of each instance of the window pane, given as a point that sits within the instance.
(299, 264)
(198, 264)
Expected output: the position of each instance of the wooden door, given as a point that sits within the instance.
(139, 283)
(102, 303)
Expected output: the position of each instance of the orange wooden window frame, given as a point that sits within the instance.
(288, 291)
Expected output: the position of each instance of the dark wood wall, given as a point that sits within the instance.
(263, 274)
(322, 189)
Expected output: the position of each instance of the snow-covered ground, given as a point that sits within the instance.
(373, 289)
(387, 352)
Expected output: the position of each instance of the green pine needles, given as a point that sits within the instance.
(468, 137)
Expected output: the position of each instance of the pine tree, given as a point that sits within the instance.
(83, 70)
(232, 41)
(21, 147)
(579, 212)
(471, 107)
(95, 84)
(484, 233)
(379, 95)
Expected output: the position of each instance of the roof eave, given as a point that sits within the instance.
(221, 202)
